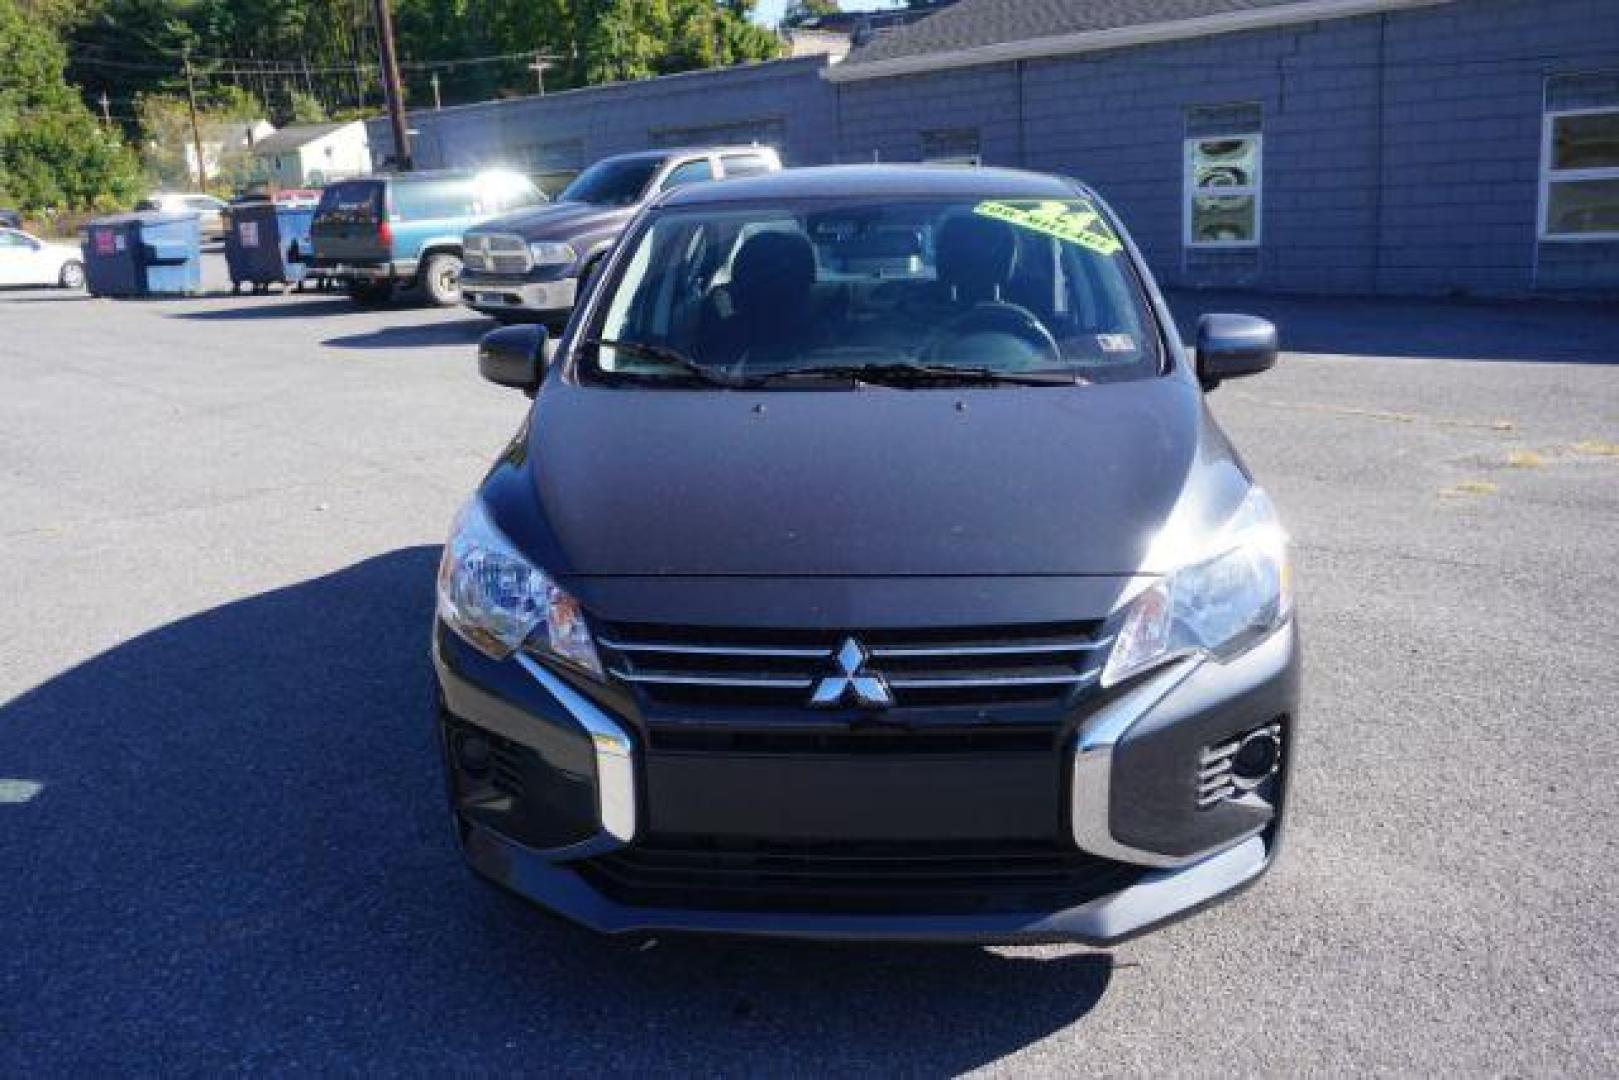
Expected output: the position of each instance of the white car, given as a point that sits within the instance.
(28, 260)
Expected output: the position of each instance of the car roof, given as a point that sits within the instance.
(665, 152)
(855, 181)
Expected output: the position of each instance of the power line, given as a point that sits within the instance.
(245, 66)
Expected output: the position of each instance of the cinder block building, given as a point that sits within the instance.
(1466, 147)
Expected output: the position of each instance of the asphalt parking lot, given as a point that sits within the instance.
(222, 842)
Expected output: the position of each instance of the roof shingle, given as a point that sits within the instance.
(972, 24)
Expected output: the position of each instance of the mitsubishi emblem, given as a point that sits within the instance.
(851, 683)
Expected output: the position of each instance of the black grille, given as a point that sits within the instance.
(983, 739)
(854, 879)
(684, 667)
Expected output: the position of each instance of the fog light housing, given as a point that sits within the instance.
(1238, 767)
(472, 753)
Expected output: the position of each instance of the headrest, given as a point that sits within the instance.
(976, 254)
(772, 269)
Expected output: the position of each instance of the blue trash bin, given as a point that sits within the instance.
(268, 244)
(294, 222)
(145, 254)
(171, 247)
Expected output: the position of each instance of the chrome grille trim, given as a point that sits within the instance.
(496, 253)
(919, 652)
(988, 680)
(788, 668)
(665, 678)
(711, 650)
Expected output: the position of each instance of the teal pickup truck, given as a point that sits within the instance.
(380, 233)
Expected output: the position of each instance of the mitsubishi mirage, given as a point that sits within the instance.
(869, 566)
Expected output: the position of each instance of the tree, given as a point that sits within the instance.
(307, 109)
(636, 39)
(800, 12)
(53, 154)
(63, 161)
(167, 149)
(326, 49)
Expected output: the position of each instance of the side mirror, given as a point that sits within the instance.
(515, 356)
(1231, 346)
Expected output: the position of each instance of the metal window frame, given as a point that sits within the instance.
(1550, 176)
(1190, 191)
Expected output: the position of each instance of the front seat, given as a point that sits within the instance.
(772, 281)
(976, 258)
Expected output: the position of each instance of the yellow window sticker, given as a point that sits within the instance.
(1074, 221)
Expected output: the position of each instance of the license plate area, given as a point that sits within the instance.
(832, 797)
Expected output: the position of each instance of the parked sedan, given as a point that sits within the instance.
(27, 260)
(870, 566)
(211, 213)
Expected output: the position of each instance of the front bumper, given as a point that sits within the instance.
(497, 295)
(1128, 800)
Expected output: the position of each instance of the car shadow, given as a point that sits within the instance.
(285, 305)
(1523, 331)
(224, 847)
(459, 332)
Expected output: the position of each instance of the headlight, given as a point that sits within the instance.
(545, 253)
(496, 600)
(1239, 592)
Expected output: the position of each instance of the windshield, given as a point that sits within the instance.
(918, 291)
(351, 204)
(614, 182)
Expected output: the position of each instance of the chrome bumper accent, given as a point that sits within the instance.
(495, 294)
(1092, 787)
(614, 749)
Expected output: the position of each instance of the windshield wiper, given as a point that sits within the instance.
(911, 373)
(674, 358)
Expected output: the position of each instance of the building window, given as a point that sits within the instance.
(1223, 177)
(1579, 159)
(952, 146)
(770, 131)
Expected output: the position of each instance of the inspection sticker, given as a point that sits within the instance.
(1073, 220)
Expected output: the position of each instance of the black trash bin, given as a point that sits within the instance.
(268, 244)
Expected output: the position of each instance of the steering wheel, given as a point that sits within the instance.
(998, 318)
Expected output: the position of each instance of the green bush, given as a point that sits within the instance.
(54, 157)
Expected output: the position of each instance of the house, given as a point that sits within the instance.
(305, 155)
(1406, 147)
(862, 27)
(222, 142)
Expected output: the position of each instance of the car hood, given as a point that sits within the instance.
(880, 482)
(561, 219)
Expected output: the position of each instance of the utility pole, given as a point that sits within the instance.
(106, 113)
(437, 101)
(390, 84)
(196, 129)
(541, 62)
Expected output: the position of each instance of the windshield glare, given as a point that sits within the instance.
(611, 183)
(1020, 288)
